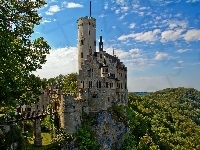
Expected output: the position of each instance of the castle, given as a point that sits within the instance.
(102, 82)
(102, 78)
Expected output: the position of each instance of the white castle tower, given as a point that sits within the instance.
(86, 37)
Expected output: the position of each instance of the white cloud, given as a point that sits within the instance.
(133, 59)
(59, 61)
(117, 11)
(106, 5)
(142, 36)
(161, 55)
(143, 8)
(192, 1)
(172, 35)
(180, 61)
(120, 18)
(124, 9)
(178, 67)
(192, 35)
(114, 27)
(132, 25)
(53, 9)
(102, 15)
(182, 50)
(175, 23)
(45, 21)
(120, 2)
(72, 5)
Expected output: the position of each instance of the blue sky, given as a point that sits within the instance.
(158, 40)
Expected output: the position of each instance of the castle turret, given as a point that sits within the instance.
(86, 38)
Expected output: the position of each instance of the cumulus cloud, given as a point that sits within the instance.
(53, 9)
(142, 36)
(172, 35)
(192, 35)
(177, 24)
(161, 55)
(59, 61)
(72, 5)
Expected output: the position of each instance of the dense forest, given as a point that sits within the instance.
(166, 119)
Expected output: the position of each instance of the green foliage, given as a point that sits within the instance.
(5, 137)
(62, 139)
(19, 55)
(70, 84)
(85, 136)
(166, 119)
(46, 123)
(118, 113)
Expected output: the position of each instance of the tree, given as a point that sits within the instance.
(20, 56)
(70, 83)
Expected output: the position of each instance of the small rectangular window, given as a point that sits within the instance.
(94, 43)
(89, 32)
(81, 54)
(106, 84)
(82, 42)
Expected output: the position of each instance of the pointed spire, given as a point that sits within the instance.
(90, 8)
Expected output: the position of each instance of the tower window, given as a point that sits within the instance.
(81, 54)
(89, 23)
(82, 42)
(108, 99)
(94, 43)
(89, 32)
